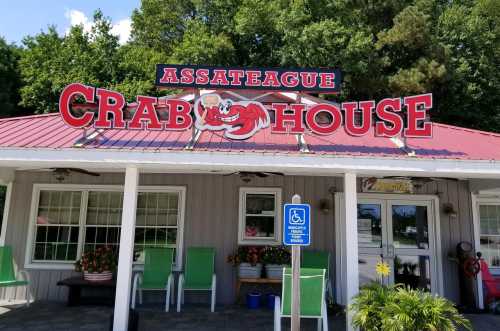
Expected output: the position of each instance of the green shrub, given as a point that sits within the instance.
(396, 308)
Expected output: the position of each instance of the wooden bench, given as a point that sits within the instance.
(76, 284)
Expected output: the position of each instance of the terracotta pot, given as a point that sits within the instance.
(98, 276)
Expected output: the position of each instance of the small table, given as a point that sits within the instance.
(254, 282)
(76, 284)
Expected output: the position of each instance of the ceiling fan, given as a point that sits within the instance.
(247, 176)
(422, 179)
(60, 174)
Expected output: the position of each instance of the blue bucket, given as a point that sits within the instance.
(270, 301)
(253, 300)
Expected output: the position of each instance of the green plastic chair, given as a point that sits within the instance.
(157, 275)
(7, 274)
(319, 260)
(199, 274)
(312, 297)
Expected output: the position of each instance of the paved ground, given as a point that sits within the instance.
(42, 316)
(45, 316)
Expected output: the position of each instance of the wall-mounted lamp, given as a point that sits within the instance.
(449, 209)
(324, 206)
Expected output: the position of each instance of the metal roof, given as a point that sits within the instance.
(50, 132)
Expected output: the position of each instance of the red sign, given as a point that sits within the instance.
(270, 79)
(241, 119)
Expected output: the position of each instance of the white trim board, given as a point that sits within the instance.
(293, 163)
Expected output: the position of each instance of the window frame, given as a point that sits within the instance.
(495, 270)
(30, 263)
(243, 191)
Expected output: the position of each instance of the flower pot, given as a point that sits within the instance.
(246, 270)
(253, 300)
(274, 271)
(98, 276)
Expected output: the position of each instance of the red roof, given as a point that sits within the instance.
(50, 132)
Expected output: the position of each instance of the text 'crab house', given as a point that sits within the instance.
(242, 119)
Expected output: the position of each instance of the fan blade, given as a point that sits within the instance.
(274, 173)
(260, 174)
(230, 174)
(82, 171)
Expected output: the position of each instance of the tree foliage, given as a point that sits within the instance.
(9, 78)
(384, 48)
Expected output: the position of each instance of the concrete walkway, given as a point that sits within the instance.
(50, 316)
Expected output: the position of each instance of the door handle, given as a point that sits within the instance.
(390, 251)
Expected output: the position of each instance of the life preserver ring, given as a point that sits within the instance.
(471, 267)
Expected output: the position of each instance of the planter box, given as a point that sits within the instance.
(274, 271)
(246, 270)
(97, 277)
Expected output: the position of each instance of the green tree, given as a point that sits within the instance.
(384, 48)
(49, 62)
(9, 79)
(160, 24)
(470, 32)
(199, 46)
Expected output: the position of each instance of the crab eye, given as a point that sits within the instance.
(224, 109)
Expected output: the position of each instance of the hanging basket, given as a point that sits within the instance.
(98, 276)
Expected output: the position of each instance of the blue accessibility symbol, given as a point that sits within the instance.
(297, 224)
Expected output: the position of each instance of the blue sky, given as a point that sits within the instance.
(28, 17)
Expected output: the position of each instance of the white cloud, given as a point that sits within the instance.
(122, 28)
(77, 17)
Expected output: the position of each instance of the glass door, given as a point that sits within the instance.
(372, 236)
(409, 243)
(399, 233)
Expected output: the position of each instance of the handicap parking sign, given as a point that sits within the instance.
(297, 224)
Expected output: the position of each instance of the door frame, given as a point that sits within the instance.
(491, 197)
(340, 242)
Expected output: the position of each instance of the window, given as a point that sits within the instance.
(489, 216)
(104, 216)
(259, 216)
(70, 219)
(57, 226)
(157, 221)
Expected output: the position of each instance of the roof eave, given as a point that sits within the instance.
(299, 163)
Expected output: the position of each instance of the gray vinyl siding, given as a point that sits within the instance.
(211, 219)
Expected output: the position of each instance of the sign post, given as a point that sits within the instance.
(296, 233)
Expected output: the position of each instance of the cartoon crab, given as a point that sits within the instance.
(240, 120)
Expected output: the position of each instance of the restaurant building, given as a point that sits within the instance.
(406, 199)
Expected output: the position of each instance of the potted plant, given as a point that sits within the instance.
(275, 259)
(399, 307)
(248, 261)
(97, 265)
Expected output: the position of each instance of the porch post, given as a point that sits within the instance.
(125, 257)
(351, 240)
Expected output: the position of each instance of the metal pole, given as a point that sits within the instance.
(296, 279)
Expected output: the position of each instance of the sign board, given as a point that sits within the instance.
(316, 80)
(241, 119)
(384, 185)
(297, 224)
